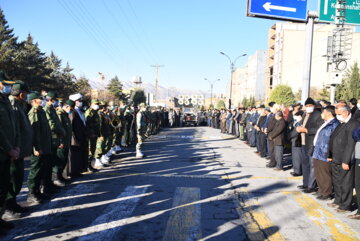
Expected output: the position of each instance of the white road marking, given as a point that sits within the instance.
(184, 221)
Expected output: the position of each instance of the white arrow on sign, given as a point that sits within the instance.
(268, 7)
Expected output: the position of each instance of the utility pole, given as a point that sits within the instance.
(157, 66)
(212, 86)
(308, 56)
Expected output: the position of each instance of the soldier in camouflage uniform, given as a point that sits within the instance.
(100, 160)
(112, 119)
(141, 129)
(57, 134)
(41, 149)
(128, 119)
(18, 102)
(93, 125)
(9, 144)
(118, 130)
(63, 153)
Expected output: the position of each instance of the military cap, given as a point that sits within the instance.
(33, 96)
(21, 86)
(70, 103)
(142, 105)
(102, 103)
(5, 79)
(51, 95)
(94, 101)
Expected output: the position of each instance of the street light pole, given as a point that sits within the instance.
(211, 86)
(232, 70)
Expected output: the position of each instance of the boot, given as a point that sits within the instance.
(98, 164)
(139, 154)
(104, 160)
(56, 180)
(34, 198)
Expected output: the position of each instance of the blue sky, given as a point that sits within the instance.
(125, 37)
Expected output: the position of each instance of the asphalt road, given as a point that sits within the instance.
(194, 184)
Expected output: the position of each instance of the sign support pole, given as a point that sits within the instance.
(308, 56)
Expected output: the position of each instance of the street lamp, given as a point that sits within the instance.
(232, 69)
(212, 85)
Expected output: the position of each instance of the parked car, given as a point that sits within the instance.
(190, 117)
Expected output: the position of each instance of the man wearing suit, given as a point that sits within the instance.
(311, 122)
(79, 141)
(341, 149)
(270, 126)
(277, 135)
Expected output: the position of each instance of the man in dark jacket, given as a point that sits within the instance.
(311, 121)
(297, 154)
(268, 129)
(276, 135)
(321, 165)
(341, 149)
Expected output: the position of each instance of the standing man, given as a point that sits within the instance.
(141, 129)
(57, 135)
(311, 122)
(277, 135)
(268, 129)
(79, 143)
(18, 102)
(63, 153)
(41, 149)
(93, 126)
(9, 144)
(341, 150)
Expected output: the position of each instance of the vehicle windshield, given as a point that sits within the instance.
(187, 110)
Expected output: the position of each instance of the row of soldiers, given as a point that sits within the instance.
(62, 139)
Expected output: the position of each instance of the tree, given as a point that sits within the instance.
(283, 94)
(350, 86)
(115, 87)
(8, 47)
(298, 95)
(82, 86)
(324, 94)
(245, 102)
(220, 104)
(252, 101)
(138, 97)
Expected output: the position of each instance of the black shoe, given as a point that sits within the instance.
(270, 166)
(20, 209)
(278, 169)
(321, 197)
(309, 190)
(295, 174)
(92, 170)
(302, 187)
(268, 158)
(11, 214)
(6, 225)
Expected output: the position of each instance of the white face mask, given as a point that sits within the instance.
(340, 118)
(358, 105)
(96, 107)
(297, 118)
(309, 109)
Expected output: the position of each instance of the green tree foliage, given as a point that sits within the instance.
(83, 86)
(8, 46)
(283, 94)
(115, 88)
(245, 102)
(324, 94)
(350, 86)
(252, 101)
(220, 104)
(138, 96)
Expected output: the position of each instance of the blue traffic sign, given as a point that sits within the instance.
(278, 9)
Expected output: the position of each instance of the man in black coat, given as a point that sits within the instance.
(341, 149)
(311, 122)
(270, 127)
(277, 135)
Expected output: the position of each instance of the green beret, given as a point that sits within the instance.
(142, 105)
(21, 85)
(102, 103)
(5, 79)
(33, 96)
(94, 101)
(70, 103)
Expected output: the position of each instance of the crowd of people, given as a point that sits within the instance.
(63, 139)
(323, 139)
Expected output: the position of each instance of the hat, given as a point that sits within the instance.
(5, 79)
(51, 95)
(75, 97)
(70, 103)
(262, 106)
(21, 86)
(268, 109)
(309, 101)
(142, 105)
(33, 96)
(102, 103)
(94, 101)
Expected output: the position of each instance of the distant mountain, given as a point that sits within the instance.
(163, 92)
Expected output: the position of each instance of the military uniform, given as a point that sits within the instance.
(57, 133)
(63, 153)
(102, 139)
(17, 166)
(93, 124)
(9, 141)
(141, 130)
(39, 165)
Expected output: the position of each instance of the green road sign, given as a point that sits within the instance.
(352, 13)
